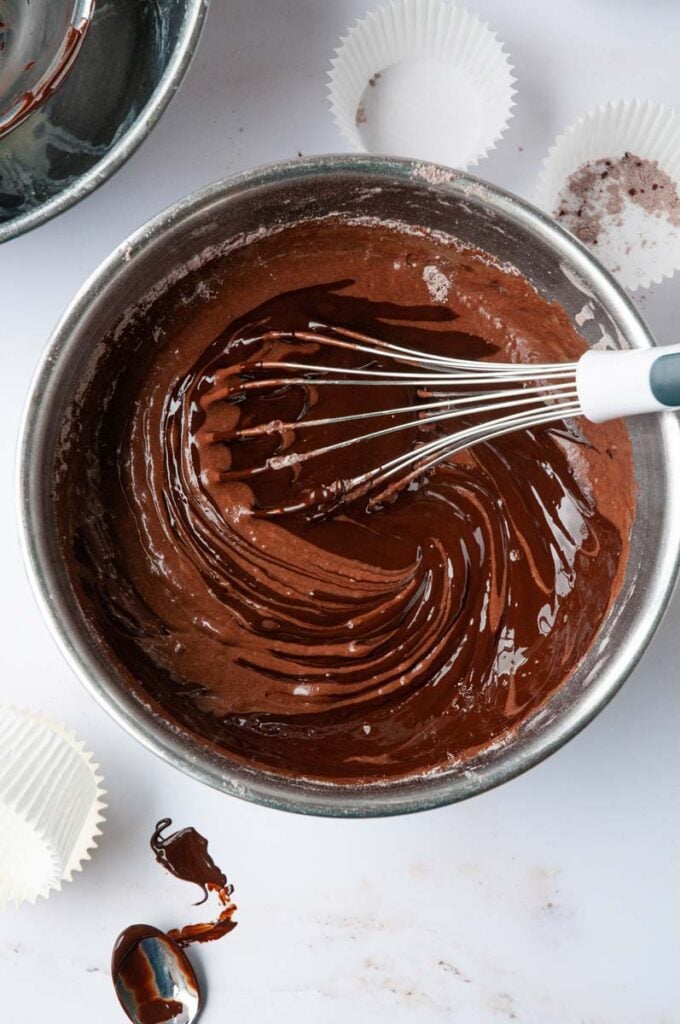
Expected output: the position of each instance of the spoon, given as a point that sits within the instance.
(154, 980)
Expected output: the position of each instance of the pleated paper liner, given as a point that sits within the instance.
(50, 806)
(423, 79)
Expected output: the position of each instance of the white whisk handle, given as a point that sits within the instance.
(612, 384)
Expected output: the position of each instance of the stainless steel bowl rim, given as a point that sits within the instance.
(325, 799)
(123, 149)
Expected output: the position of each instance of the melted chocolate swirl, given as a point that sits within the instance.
(370, 644)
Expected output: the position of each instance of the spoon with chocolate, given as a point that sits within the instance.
(153, 978)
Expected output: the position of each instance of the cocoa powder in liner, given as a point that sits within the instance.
(594, 198)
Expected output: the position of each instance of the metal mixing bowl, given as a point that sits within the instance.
(131, 63)
(559, 267)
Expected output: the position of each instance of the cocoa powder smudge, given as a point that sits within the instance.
(596, 194)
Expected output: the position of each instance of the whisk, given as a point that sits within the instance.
(498, 398)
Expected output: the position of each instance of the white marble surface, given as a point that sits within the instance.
(553, 900)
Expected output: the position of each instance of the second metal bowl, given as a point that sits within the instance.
(424, 197)
(132, 60)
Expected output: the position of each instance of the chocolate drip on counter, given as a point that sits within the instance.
(372, 645)
(185, 855)
(154, 980)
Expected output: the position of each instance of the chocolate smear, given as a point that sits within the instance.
(185, 855)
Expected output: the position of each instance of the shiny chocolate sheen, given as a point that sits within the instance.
(153, 978)
(185, 855)
(371, 645)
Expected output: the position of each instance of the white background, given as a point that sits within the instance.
(553, 900)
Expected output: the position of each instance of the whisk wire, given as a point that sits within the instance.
(341, 337)
(526, 396)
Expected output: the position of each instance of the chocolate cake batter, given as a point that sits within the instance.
(370, 645)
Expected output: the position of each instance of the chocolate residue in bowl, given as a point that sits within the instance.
(41, 91)
(595, 196)
(185, 855)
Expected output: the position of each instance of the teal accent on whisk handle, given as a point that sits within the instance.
(664, 380)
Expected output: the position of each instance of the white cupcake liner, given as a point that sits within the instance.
(50, 806)
(423, 79)
(644, 247)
